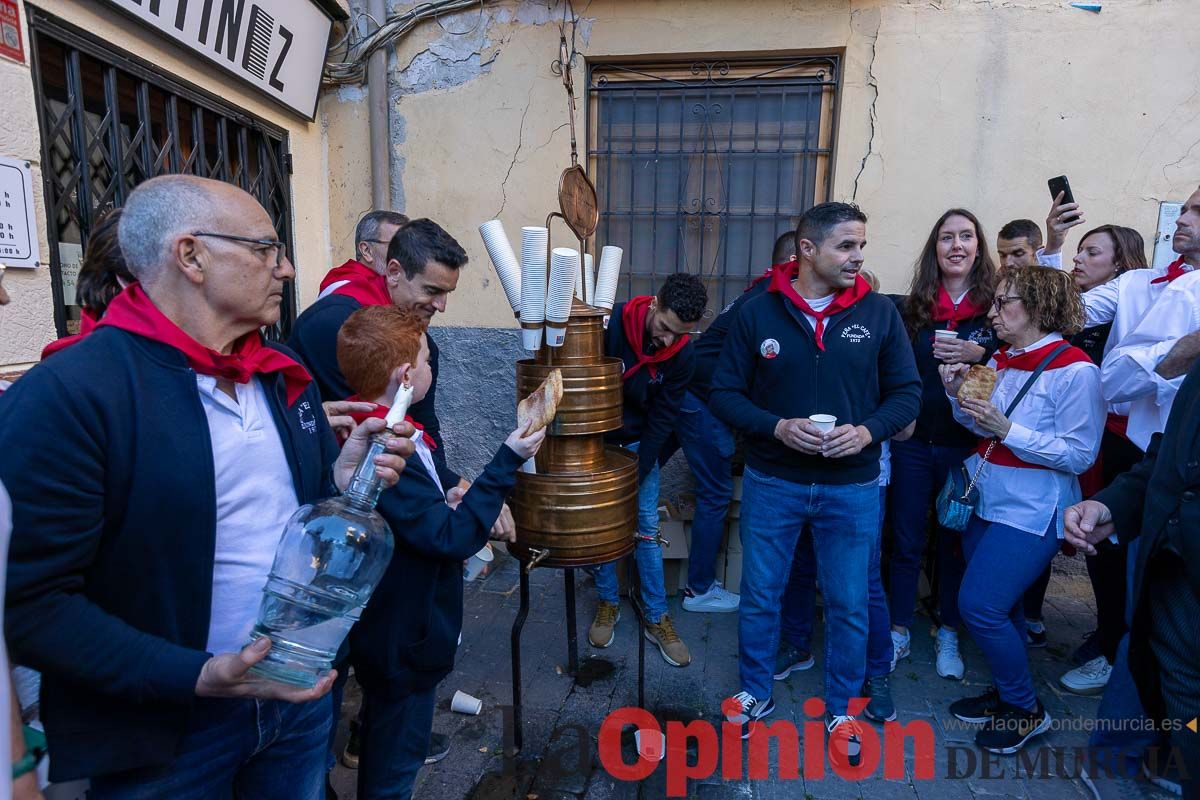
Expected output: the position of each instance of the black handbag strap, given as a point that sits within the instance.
(1055, 353)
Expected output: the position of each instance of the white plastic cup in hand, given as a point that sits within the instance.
(504, 260)
(945, 335)
(606, 276)
(651, 744)
(477, 563)
(823, 422)
(464, 703)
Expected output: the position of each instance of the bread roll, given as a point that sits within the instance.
(538, 409)
(979, 383)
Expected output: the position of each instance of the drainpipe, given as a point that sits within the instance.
(377, 109)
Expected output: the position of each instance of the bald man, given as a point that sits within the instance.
(152, 466)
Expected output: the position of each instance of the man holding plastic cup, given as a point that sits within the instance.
(816, 372)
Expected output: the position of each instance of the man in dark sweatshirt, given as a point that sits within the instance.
(152, 466)
(419, 270)
(650, 336)
(818, 344)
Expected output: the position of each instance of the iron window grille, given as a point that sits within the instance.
(700, 166)
(110, 120)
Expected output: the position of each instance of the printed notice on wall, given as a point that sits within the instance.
(70, 256)
(18, 233)
(1164, 254)
(11, 44)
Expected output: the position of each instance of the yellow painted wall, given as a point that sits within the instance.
(27, 324)
(978, 104)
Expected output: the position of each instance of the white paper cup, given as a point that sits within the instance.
(464, 703)
(945, 334)
(531, 338)
(651, 745)
(477, 563)
(508, 268)
(606, 276)
(823, 422)
(556, 334)
(564, 265)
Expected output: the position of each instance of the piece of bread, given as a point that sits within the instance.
(538, 409)
(979, 384)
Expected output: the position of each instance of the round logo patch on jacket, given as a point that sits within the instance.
(769, 348)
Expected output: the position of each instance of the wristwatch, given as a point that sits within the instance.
(35, 751)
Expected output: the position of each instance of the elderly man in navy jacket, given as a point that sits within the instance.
(152, 467)
(818, 342)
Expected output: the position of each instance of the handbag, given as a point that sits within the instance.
(959, 495)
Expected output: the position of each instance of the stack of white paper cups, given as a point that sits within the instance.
(606, 277)
(504, 260)
(564, 269)
(589, 279)
(534, 241)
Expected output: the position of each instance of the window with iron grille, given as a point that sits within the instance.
(699, 167)
(110, 121)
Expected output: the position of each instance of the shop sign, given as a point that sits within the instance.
(11, 44)
(18, 232)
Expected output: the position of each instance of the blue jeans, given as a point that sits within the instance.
(395, 739)
(647, 552)
(842, 520)
(1002, 562)
(708, 445)
(918, 473)
(265, 749)
(800, 602)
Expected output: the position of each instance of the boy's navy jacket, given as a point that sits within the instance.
(650, 405)
(314, 337)
(936, 424)
(408, 634)
(709, 345)
(771, 369)
(108, 459)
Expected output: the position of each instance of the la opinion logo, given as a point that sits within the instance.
(727, 745)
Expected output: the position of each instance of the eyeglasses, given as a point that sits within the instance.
(375, 241)
(280, 247)
(1000, 302)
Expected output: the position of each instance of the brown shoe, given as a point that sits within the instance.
(673, 650)
(604, 626)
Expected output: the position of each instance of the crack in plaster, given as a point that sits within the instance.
(517, 152)
(872, 82)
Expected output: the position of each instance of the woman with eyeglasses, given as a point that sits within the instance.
(1027, 462)
(946, 315)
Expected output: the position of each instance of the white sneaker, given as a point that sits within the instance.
(746, 710)
(901, 647)
(717, 600)
(949, 662)
(1089, 679)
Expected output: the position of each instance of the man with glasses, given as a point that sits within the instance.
(152, 467)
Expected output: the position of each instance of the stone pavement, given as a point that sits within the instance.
(559, 763)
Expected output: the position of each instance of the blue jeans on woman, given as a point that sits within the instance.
(842, 520)
(708, 445)
(800, 602)
(1002, 562)
(647, 552)
(265, 749)
(919, 471)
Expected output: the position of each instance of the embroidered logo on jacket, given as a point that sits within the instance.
(308, 422)
(856, 333)
(769, 348)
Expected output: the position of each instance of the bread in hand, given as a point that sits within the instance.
(538, 409)
(979, 383)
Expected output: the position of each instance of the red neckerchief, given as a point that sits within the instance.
(132, 310)
(87, 324)
(633, 322)
(1174, 270)
(782, 283)
(381, 412)
(788, 266)
(1028, 362)
(944, 309)
(365, 284)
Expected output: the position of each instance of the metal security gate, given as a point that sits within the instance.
(110, 121)
(701, 166)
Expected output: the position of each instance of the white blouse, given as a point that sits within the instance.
(1058, 425)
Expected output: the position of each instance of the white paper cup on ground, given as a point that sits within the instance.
(606, 276)
(823, 422)
(508, 268)
(651, 744)
(477, 563)
(464, 703)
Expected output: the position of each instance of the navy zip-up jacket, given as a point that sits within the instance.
(108, 459)
(771, 369)
(650, 405)
(936, 424)
(408, 634)
(314, 337)
(708, 347)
